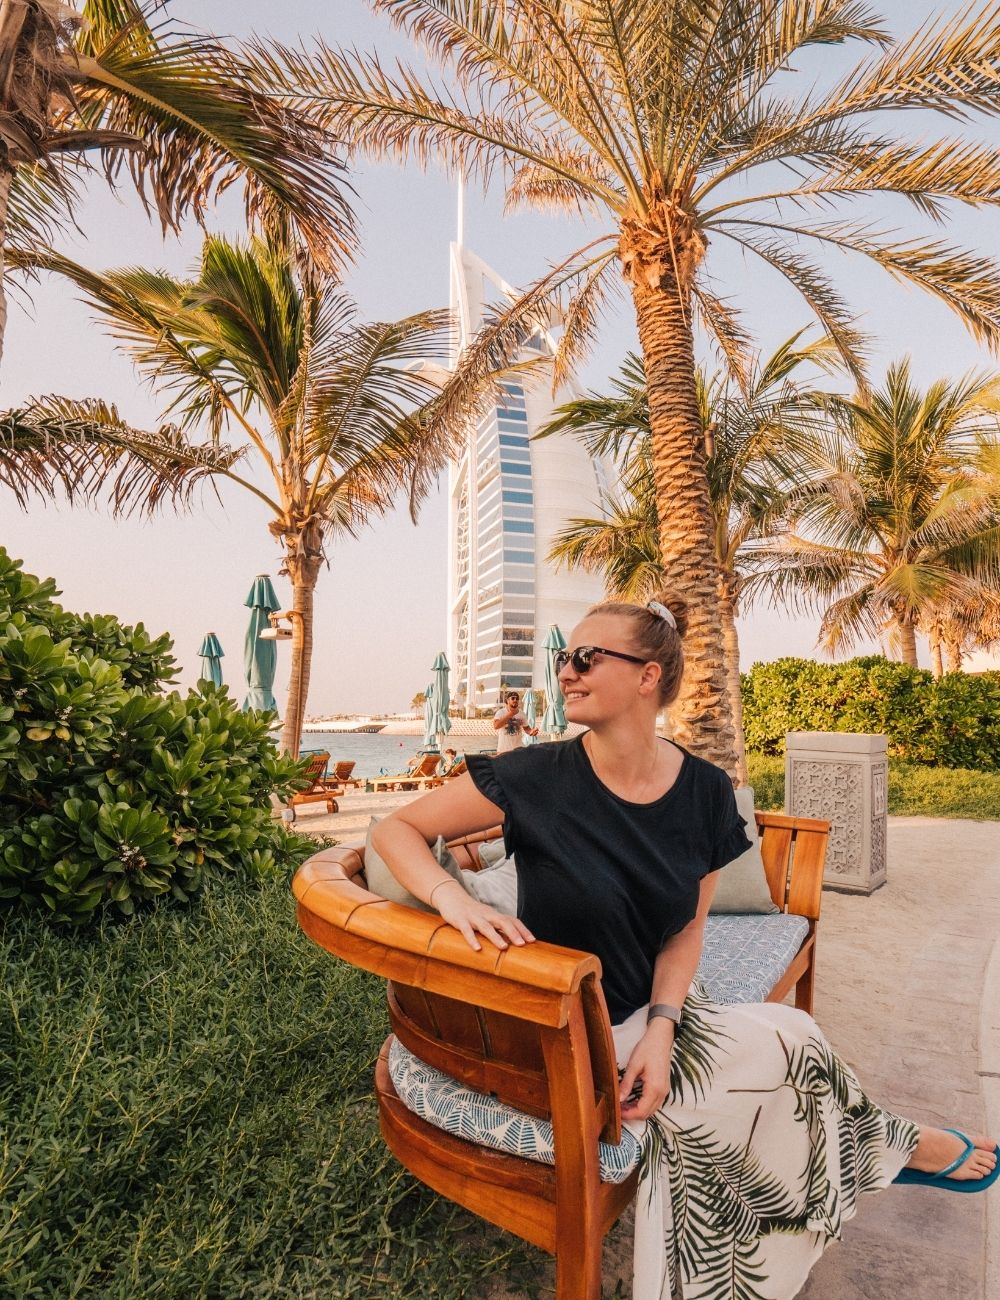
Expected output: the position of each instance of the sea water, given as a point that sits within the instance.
(374, 753)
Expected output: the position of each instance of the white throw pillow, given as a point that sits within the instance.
(742, 884)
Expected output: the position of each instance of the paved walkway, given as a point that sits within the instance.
(902, 994)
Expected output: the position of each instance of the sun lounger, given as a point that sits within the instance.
(342, 774)
(422, 777)
(321, 788)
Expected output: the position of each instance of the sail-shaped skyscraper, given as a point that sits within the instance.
(508, 497)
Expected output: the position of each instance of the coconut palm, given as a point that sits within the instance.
(756, 441)
(328, 408)
(958, 628)
(677, 125)
(104, 89)
(902, 525)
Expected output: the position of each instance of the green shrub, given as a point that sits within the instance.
(915, 790)
(954, 722)
(188, 1112)
(112, 793)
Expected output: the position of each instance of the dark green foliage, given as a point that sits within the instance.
(188, 1112)
(113, 794)
(914, 790)
(954, 722)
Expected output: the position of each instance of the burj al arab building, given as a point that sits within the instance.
(509, 496)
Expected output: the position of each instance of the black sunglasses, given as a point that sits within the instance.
(582, 658)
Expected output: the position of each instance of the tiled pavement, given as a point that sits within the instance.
(901, 993)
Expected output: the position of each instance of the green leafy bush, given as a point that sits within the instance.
(111, 793)
(954, 722)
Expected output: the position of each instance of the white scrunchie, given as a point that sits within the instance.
(661, 611)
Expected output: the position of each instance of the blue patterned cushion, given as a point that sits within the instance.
(482, 1119)
(745, 956)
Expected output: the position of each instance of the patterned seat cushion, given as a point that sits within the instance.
(482, 1119)
(745, 956)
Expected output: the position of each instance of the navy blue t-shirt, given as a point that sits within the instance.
(598, 873)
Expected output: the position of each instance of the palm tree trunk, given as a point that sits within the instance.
(731, 640)
(953, 654)
(660, 252)
(907, 641)
(304, 555)
(6, 179)
(937, 664)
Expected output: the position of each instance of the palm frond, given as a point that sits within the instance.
(87, 448)
(206, 119)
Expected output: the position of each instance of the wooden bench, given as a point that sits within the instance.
(528, 1025)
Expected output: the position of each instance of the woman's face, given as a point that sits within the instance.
(612, 686)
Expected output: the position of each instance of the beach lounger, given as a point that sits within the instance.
(321, 788)
(422, 777)
(342, 773)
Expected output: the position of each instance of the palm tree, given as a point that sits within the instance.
(329, 408)
(755, 443)
(101, 90)
(902, 524)
(664, 117)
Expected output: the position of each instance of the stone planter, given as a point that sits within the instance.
(843, 778)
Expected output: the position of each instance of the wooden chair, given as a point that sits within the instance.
(456, 770)
(422, 777)
(342, 774)
(321, 788)
(528, 1025)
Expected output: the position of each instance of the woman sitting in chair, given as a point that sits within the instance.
(758, 1139)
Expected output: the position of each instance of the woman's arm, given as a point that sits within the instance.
(672, 975)
(404, 837)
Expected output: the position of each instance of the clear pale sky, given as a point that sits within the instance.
(381, 604)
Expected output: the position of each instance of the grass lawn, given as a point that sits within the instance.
(914, 790)
(188, 1112)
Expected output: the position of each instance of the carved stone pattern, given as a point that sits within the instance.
(878, 862)
(879, 781)
(832, 791)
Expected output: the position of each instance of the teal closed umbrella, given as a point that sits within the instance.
(554, 719)
(260, 658)
(430, 738)
(442, 695)
(211, 659)
(530, 712)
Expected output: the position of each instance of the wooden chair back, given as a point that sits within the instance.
(794, 853)
(527, 1024)
(427, 766)
(315, 771)
(342, 770)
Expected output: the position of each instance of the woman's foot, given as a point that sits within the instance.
(937, 1148)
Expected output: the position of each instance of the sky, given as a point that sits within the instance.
(380, 605)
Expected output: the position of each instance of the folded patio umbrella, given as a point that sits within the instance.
(442, 696)
(211, 659)
(260, 658)
(554, 719)
(530, 712)
(430, 735)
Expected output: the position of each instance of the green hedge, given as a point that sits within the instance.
(954, 722)
(113, 793)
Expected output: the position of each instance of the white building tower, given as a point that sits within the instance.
(508, 497)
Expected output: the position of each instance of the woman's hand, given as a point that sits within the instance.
(468, 915)
(648, 1066)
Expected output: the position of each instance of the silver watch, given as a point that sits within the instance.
(665, 1010)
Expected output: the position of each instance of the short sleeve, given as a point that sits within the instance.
(482, 769)
(500, 713)
(731, 838)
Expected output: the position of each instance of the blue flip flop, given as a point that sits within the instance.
(941, 1179)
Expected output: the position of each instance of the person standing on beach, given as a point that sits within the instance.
(510, 724)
